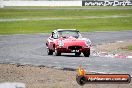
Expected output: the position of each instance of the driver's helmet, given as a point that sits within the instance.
(60, 34)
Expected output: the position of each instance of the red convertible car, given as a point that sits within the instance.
(68, 41)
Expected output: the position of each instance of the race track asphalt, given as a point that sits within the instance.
(30, 49)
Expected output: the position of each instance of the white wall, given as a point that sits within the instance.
(42, 3)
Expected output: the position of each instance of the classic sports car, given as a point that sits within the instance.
(68, 41)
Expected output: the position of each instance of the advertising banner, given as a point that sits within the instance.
(106, 3)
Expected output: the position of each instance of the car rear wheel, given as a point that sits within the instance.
(57, 53)
(77, 53)
(49, 52)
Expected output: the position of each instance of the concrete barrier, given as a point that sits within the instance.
(65, 3)
(1, 4)
(42, 3)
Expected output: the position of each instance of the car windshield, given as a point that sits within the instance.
(68, 33)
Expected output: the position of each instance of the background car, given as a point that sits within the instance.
(68, 41)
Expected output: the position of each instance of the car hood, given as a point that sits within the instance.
(73, 41)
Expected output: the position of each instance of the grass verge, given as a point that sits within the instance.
(82, 19)
(129, 48)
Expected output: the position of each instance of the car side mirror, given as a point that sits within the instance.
(52, 34)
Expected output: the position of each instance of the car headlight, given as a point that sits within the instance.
(60, 43)
(88, 42)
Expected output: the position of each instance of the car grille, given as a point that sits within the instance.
(74, 47)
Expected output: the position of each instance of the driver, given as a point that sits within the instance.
(60, 34)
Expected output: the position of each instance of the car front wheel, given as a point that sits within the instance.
(87, 54)
(49, 52)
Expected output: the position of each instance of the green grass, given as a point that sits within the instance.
(129, 47)
(31, 13)
(86, 20)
